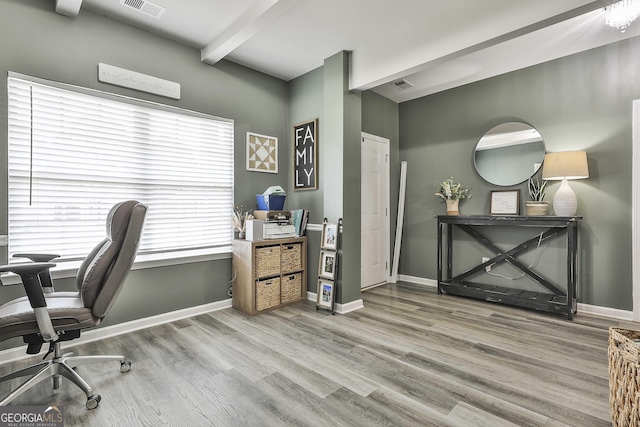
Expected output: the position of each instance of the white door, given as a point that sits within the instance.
(374, 210)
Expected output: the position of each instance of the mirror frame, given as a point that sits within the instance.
(500, 136)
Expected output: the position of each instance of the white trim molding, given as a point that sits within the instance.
(340, 308)
(635, 211)
(418, 280)
(18, 353)
(613, 313)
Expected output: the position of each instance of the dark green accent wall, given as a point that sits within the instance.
(580, 102)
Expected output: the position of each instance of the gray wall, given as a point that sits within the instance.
(379, 116)
(36, 41)
(306, 103)
(581, 102)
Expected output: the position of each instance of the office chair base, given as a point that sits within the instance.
(61, 366)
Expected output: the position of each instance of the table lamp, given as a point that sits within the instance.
(565, 165)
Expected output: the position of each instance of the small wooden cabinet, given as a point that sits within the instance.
(269, 274)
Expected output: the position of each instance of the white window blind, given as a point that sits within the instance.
(73, 154)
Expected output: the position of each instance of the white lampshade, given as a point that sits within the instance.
(568, 164)
(565, 165)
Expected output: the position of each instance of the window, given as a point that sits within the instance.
(74, 153)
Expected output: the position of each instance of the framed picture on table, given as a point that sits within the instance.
(505, 202)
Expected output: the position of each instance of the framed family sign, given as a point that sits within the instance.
(305, 155)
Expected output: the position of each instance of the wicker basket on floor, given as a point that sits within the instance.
(624, 377)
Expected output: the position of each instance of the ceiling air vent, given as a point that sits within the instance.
(402, 84)
(144, 6)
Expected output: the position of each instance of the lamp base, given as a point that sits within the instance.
(565, 202)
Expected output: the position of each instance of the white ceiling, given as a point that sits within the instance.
(433, 44)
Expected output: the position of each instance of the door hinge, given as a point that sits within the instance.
(386, 265)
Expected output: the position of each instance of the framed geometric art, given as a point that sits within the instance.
(262, 153)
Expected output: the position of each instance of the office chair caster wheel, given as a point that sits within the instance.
(93, 401)
(125, 366)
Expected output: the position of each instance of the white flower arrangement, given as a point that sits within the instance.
(239, 219)
(450, 191)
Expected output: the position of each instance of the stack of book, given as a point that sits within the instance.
(300, 219)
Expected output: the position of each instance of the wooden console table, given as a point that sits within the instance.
(552, 299)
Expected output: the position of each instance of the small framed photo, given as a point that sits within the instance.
(329, 236)
(326, 294)
(262, 153)
(327, 265)
(505, 202)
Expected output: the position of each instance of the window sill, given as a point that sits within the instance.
(70, 269)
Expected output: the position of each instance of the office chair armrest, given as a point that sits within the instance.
(37, 257)
(45, 276)
(29, 274)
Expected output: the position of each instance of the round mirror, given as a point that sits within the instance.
(509, 154)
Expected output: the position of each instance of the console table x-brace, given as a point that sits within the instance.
(552, 299)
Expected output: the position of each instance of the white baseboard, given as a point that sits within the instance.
(417, 280)
(340, 308)
(613, 313)
(18, 353)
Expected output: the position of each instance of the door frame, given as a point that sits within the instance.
(635, 210)
(387, 231)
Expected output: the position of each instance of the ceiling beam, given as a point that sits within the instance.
(70, 8)
(258, 17)
(364, 80)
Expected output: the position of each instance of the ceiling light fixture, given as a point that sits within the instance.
(622, 13)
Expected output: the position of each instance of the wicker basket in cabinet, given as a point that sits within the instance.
(268, 274)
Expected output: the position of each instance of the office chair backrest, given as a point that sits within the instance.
(102, 274)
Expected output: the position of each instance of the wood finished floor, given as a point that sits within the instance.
(409, 358)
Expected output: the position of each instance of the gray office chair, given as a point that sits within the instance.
(46, 316)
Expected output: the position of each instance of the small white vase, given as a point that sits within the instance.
(452, 207)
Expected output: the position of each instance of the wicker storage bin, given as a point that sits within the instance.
(624, 377)
(291, 287)
(267, 261)
(292, 257)
(536, 208)
(267, 293)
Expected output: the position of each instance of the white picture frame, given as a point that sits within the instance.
(326, 294)
(327, 265)
(505, 202)
(329, 236)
